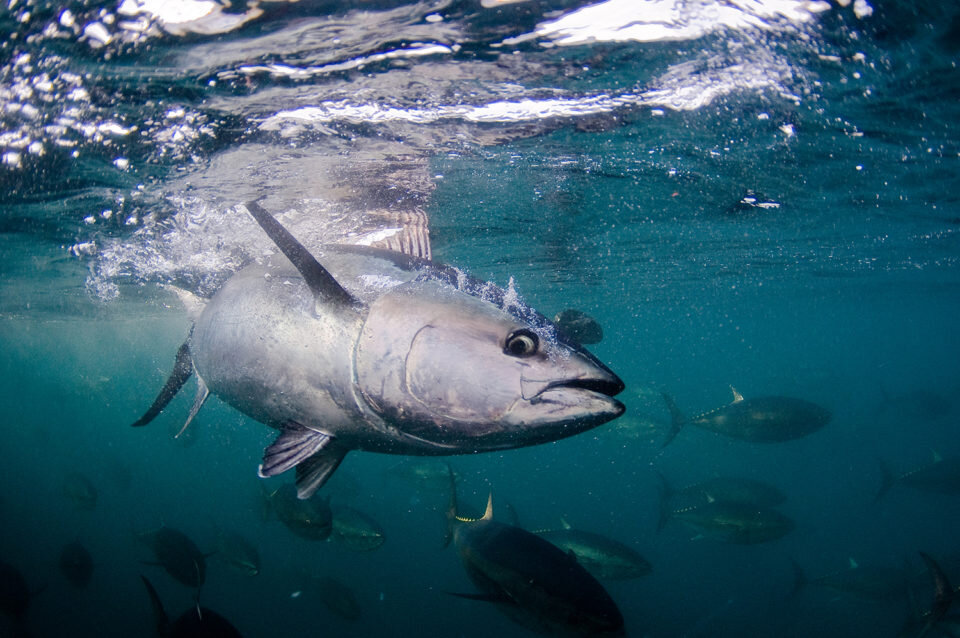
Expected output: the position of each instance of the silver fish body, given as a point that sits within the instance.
(380, 351)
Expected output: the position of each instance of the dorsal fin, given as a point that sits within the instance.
(488, 513)
(321, 282)
(405, 232)
(737, 397)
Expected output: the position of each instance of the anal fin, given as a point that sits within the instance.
(202, 393)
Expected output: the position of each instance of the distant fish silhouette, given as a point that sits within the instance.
(736, 523)
(355, 530)
(81, 490)
(309, 518)
(762, 419)
(530, 580)
(238, 553)
(178, 555)
(875, 583)
(198, 622)
(604, 557)
(942, 476)
(579, 326)
(731, 489)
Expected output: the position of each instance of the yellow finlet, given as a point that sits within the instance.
(737, 397)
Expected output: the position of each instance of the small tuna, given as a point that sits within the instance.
(355, 530)
(311, 518)
(942, 476)
(238, 553)
(196, 622)
(605, 558)
(735, 522)
(761, 419)
(934, 621)
(729, 489)
(81, 490)
(579, 326)
(534, 583)
(337, 597)
(876, 583)
(178, 555)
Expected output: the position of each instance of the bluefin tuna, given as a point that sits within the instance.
(941, 476)
(579, 326)
(934, 621)
(178, 555)
(876, 583)
(761, 419)
(238, 553)
(196, 622)
(309, 518)
(337, 597)
(604, 557)
(355, 530)
(531, 581)
(735, 522)
(387, 352)
(81, 490)
(730, 489)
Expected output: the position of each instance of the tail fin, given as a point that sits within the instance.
(887, 480)
(800, 580)
(677, 419)
(182, 369)
(160, 616)
(943, 593)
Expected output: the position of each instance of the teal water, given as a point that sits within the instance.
(758, 194)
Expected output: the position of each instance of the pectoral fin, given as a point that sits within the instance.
(313, 453)
(295, 445)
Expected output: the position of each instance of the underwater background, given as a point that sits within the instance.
(759, 194)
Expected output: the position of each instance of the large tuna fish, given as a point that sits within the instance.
(383, 351)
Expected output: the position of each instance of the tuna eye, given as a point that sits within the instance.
(521, 343)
